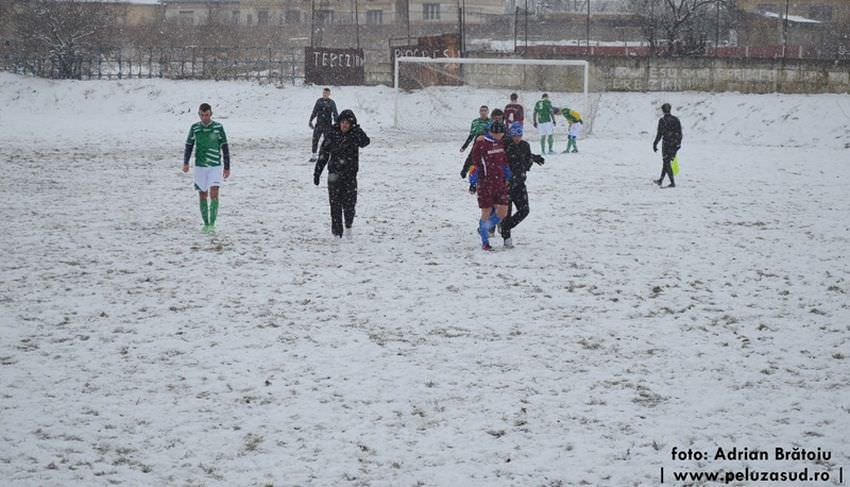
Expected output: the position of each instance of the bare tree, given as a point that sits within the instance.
(677, 27)
(64, 32)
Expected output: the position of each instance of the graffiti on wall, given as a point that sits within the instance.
(327, 66)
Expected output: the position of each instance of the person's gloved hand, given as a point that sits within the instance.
(472, 189)
(311, 125)
(316, 179)
(463, 173)
(654, 147)
(538, 159)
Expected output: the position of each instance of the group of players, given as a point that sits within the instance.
(496, 166)
(500, 158)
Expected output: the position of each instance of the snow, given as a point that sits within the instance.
(628, 320)
(792, 18)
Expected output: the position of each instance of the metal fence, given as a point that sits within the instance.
(257, 64)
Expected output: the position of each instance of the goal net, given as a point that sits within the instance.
(444, 94)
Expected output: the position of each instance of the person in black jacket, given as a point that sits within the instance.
(324, 111)
(670, 132)
(520, 159)
(340, 152)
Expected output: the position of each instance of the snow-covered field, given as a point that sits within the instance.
(628, 320)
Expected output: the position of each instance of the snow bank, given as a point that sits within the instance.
(161, 107)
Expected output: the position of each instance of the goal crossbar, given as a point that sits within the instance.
(466, 60)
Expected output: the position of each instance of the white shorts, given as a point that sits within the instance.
(545, 128)
(207, 177)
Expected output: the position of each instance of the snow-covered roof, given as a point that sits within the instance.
(791, 18)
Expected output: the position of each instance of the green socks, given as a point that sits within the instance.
(551, 139)
(213, 211)
(204, 212)
(209, 211)
(543, 144)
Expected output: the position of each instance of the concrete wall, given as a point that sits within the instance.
(707, 74)
(691, 74)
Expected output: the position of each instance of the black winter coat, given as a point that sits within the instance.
(670, 131)
(520, 159)
(324, 111)
(340, 152)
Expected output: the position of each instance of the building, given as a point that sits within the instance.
(138, 14)
(814, 28)
(329, 12)
(827, 11)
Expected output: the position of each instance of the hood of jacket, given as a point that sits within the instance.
(347, 115)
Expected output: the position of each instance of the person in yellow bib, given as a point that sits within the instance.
(209, 141)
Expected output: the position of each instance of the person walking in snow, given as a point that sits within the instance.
(520, 159)
(496, 115)
(476, 128)
(544, 121)
(489, 176)
(209, 141)
(324, 112)
(514, 112)
(670, 133)
(340, 152)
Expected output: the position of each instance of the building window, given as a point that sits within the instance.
(324, 17)
(821, 12)
(293, 17)
(234, 17)
(431, 11)
(262, 17)
(374, 17)
(249, 19)
(186, 17)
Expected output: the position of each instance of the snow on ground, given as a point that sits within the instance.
(628, 320)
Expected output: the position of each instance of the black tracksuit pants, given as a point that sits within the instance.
(518, 196)
(467, 165)
(342, 194)
(318, 131)
(667, 156)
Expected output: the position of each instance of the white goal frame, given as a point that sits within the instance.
(468, 60)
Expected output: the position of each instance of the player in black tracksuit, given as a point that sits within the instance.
(340, 152)
(324, 111)
(670, 132)
(519, 158)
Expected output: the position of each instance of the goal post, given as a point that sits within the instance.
(493, 73)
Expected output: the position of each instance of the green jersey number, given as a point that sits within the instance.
(543, 111)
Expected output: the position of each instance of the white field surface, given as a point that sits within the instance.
(628, 320)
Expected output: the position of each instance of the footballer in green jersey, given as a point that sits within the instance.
(476, 128)
(544, 122)
(209, 141)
